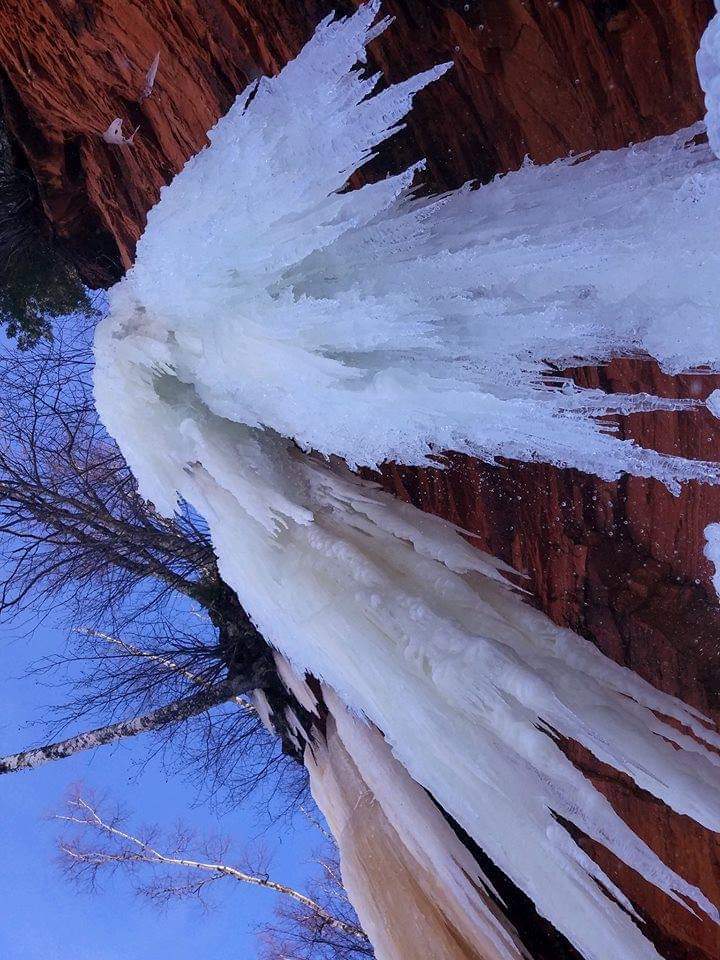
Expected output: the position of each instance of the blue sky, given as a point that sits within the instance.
(42, 917)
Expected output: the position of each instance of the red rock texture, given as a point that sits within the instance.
(532, 77)
(620, 562)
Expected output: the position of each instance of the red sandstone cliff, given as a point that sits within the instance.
(537, 77)
(621, 563)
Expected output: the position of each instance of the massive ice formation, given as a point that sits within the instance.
(375, 327)
(271, 312)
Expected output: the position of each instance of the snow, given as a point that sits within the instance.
(712, 552)
(713, 403)
(268, 314)
(114, 133)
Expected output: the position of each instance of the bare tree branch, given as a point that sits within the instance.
(115, 846)
(163, 661)
(76, 536)
(71, 519)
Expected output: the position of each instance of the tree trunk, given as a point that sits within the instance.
(168, 715)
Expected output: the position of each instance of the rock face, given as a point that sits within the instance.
(532, 77)
(621, 563)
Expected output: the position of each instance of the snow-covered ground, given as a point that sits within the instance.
(268, 314)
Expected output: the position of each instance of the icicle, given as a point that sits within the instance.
(150, 78)
(411, 880)
(708, 67)
(114, 134)
(372, 326)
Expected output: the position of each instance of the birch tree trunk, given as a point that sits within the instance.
(159, 719)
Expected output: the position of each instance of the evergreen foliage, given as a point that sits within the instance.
(37, 282)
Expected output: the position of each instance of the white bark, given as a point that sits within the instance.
(136, 850)
(171, 713)
(162, 661)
